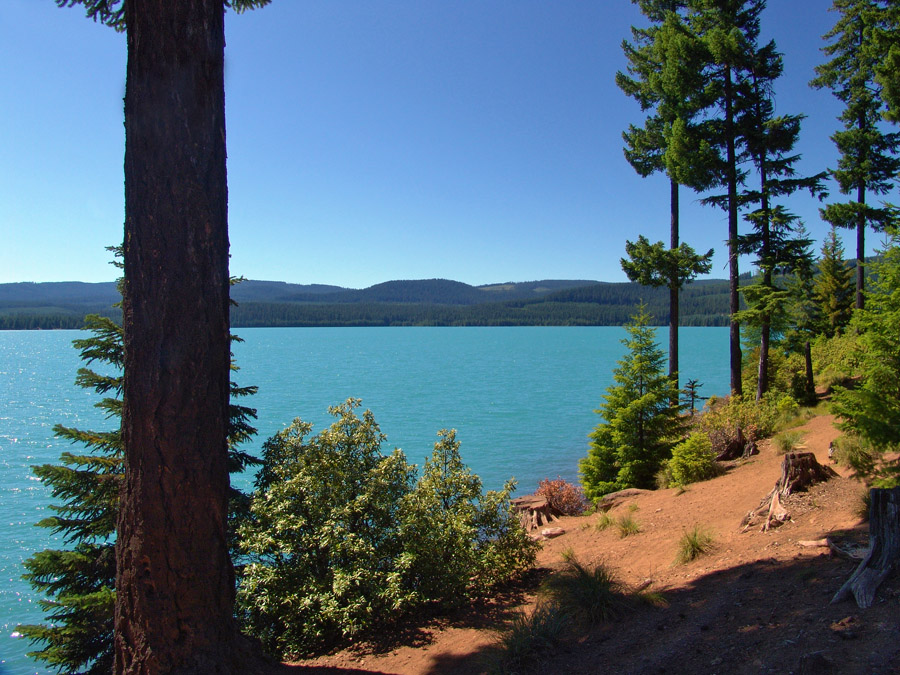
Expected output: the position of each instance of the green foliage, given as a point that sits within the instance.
(605, 521)
(79, 583)
(561, 495)
(655, 265)
(734, 422)
(461, 542)
(834, 291)
(694, 543)
(868, 161)
(325, 556)
(835, 359)
(642, 424)
(589, 593)
(872, 410)
(340, 540)
(692, 460)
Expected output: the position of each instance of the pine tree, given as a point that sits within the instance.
(641, 422)
(80, 582)
(664, 76)
(174, 575)
(833, 289)
(868, 162)
(729, 31)
(871, 410)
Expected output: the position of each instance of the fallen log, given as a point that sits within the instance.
(884, 548)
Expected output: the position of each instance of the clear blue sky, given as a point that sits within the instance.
(370, 140)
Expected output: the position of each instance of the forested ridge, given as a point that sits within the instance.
(430, 302)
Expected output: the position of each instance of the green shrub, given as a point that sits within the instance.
(567, 498)
(340, 540)
(695, 542)
(460, 541)
(835, 359)
(732, 423)
(589, 593)
(692, 460)
(854, 452)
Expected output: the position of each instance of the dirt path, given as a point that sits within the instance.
(758, 603)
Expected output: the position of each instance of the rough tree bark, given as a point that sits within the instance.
(175, 584)
(884, 548)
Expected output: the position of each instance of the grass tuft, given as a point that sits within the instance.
(627, 525)
(788, 441)
(590, 593)
(527, 636)
(694, 543)
(605, 521)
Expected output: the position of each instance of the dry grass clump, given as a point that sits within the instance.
(694, 543)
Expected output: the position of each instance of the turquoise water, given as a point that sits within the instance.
(522, 400)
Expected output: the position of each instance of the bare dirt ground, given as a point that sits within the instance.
(758, 603)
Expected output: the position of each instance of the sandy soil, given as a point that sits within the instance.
(758, 603)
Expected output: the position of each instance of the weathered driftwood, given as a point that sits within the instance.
(884, 548)
(799, 470)
(534, 511)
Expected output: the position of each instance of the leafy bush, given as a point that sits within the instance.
(732, 423)
(694, 543)
(692, 460)
(563, 496)
(835, 359)
(460, 542)
(340, 540)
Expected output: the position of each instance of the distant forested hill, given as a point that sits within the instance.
(430, 302)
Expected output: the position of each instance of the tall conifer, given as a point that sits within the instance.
(665, 77)
(868, 164)
(833, 289)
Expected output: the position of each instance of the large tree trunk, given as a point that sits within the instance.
(673, 284)
(733, 273)
(175, 583)
(860, 248)
(884, 548)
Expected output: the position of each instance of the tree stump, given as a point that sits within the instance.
(534, 511)
(799, 470)
(884, 548)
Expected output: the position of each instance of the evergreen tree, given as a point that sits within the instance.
(887, 70)
(80, 582)
(729, 31)
(872, 409)
(665, 76)
(833, 289)
(174, 575)
(868, 162)
(641, 422)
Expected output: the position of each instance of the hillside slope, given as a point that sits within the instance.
(758, 603)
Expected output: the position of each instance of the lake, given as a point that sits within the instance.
(521, 399)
